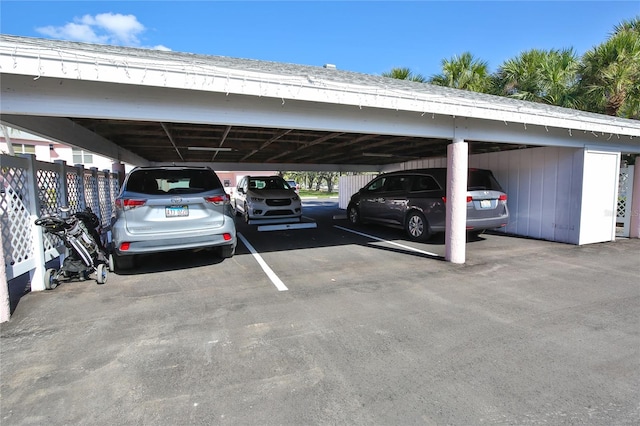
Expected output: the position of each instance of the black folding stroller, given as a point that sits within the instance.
(79, 233)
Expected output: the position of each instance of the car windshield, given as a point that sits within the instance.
(171, 181)
(268, 183)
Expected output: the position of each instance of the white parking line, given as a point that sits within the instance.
(267, 270)
(388, 242)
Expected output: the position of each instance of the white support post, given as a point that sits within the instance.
(62, 172)
(5, 301)
(37, 275)
(634, 226)
(456, 220)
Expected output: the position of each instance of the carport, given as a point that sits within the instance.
(560, 166)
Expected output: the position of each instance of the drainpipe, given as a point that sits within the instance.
(456, 220)
(634, 225)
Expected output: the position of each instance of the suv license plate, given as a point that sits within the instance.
(176, 211)
(485, 204)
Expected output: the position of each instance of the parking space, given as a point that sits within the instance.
(372, 329)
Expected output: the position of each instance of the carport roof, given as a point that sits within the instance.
(242, 111)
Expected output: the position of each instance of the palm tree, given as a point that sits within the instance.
(404, 74)
(464, 72)
(546, 76)
(611, 72)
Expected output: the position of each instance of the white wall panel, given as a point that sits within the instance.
(349, 185)
(423, 163)
(549, 168)
(544, 186)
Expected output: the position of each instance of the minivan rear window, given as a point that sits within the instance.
(482, 180)
(424, 183)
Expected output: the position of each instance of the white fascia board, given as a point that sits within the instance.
(95, 65)
(518, 133)
(72, 98)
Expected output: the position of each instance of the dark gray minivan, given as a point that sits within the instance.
(415, 200)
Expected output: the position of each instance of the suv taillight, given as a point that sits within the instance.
(503, 198)
(129, 203)
(218, 199)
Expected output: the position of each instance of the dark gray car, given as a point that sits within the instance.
(415, 200)
(171, 208)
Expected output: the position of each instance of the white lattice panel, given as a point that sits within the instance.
(91, 193)
(18, 225)
(52, 181)
(625, 189)
(14, 214)
(48, 191)
(74, 194)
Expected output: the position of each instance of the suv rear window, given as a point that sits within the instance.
(158, 181)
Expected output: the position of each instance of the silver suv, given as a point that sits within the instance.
(267, 199)
(415, 200)
(171, 208)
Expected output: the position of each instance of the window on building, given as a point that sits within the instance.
(20, 148)
(82, 157)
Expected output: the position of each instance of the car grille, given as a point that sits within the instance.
(279, 213)
(277, 202)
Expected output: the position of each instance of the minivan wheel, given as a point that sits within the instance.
(417, 227)
(354, 215)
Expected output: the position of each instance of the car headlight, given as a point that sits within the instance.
(257, 200)
(295, 198)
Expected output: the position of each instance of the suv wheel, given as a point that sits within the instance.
(226, 252)
(246, 213)
(124, 262)
(417, 227)
(353, 214)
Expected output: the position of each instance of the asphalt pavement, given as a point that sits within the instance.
(372, 329)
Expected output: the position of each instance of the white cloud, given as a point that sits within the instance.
(73, 31)
(103, 28)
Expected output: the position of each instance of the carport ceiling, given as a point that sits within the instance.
(195, 143)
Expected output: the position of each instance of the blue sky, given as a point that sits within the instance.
(363, 36)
